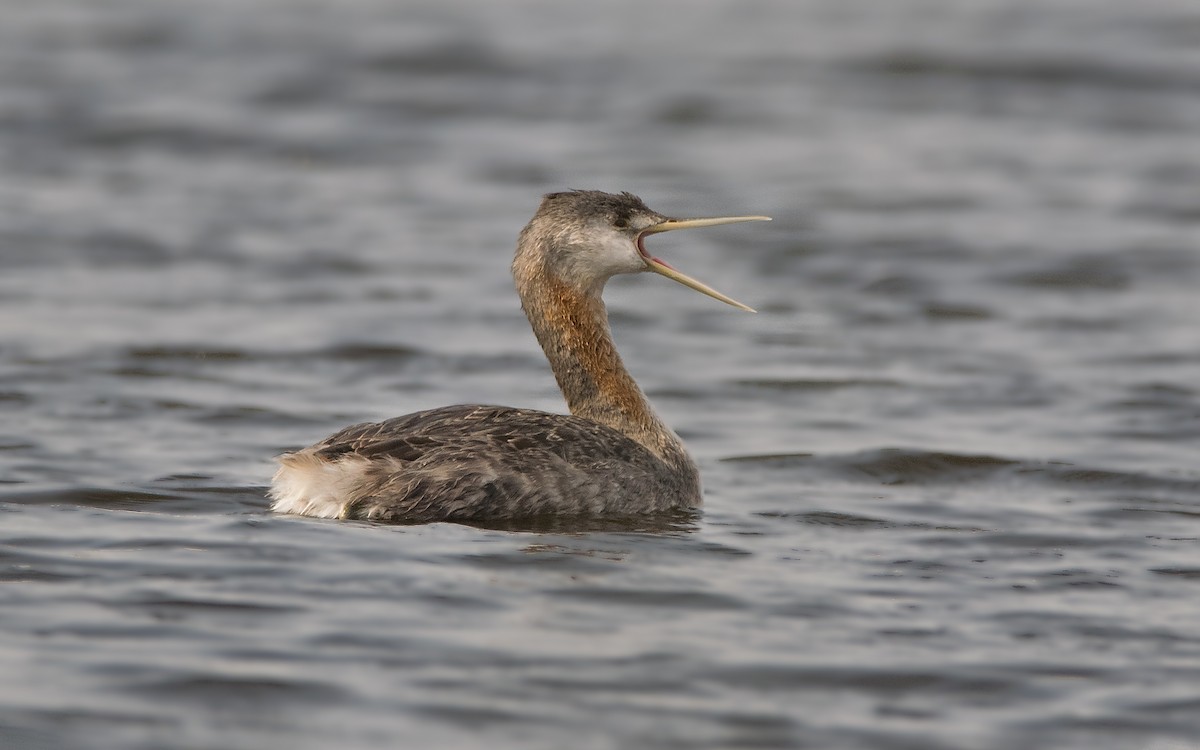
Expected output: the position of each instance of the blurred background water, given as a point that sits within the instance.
(952, 498)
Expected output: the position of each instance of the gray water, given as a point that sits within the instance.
(952, 497)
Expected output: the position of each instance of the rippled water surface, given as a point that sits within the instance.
(952, 496)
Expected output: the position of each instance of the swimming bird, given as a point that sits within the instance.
(612, 456)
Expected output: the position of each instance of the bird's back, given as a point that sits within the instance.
(480, 463)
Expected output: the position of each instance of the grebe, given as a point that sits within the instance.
(612, 456)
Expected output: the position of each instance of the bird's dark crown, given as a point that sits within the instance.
(617, 208)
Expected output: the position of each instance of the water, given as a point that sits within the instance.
(952, 494)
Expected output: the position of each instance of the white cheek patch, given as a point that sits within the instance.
(609, 253)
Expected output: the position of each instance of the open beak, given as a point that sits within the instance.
(658, 266)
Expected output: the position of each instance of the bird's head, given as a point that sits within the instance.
(585, 237)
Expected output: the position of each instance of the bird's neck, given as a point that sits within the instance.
(572, 327)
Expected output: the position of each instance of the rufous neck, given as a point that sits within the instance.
(572, 327)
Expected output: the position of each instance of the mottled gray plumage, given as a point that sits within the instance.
(611, 456)
(484, 463)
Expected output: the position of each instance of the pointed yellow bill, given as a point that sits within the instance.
(660, 267)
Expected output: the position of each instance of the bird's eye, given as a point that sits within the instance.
(620, 223)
